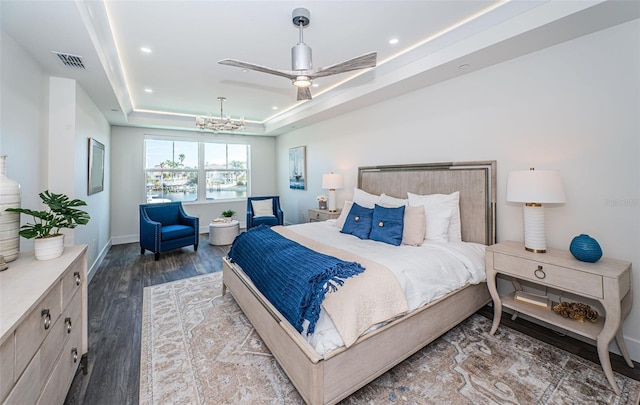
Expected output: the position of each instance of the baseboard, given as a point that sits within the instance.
(121, 240)
(96, 264)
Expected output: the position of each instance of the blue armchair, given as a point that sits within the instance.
(165, 226)
(258, 213)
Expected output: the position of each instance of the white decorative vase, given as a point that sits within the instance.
(48, 248)
(9, 221)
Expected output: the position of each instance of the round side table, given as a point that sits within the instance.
(223, 233)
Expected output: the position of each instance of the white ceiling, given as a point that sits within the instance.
(438, 40)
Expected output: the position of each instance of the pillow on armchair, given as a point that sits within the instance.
(262, 208)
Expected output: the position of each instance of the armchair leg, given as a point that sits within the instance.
(195, 247)
(141, 250)
(157, 256)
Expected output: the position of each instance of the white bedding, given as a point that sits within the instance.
(425, 272)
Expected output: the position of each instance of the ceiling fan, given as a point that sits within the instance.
(302, 72)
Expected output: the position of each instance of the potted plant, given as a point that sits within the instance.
(45, 228)
(228, 214)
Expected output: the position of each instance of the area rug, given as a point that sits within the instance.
(199, 348)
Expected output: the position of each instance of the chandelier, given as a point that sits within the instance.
(219, 124)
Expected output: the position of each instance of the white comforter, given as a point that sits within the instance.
(425, 273)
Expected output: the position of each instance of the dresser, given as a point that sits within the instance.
(43, 326)
(607, 281)
(317, 215)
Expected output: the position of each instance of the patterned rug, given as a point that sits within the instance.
(199, 348)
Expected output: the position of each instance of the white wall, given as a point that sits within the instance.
(128, 181)
(574, 107)
(44, 128)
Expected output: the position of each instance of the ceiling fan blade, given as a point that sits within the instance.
(259, 68)
(304, 93)
(365, 61)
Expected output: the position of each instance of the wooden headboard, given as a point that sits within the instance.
(476, 182)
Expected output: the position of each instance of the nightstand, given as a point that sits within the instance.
(317, 215)
(607, 281)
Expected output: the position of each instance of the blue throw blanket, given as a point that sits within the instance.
(294, 278)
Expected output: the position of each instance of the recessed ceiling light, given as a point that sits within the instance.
(145, 49)
(315, 85)
(245, 70)
(393, 41)
(148, 90)
(275, 107)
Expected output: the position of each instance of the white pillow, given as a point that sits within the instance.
(413, 229)
(262, 208)
(392, 202)
(343, 214)
(440, 208)
(364, 199)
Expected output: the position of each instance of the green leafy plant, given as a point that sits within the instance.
(228, 213)
(60, 214)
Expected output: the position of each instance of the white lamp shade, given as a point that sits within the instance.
(535, 186)
(332, 181)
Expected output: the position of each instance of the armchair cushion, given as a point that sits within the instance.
(262, 208)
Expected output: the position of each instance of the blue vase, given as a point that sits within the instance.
(585, 248)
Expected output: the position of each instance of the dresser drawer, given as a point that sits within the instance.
(7, 374)
(71, 282)
(32, 332)
(57, 385)
(564, 278)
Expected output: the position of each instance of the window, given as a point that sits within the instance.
(173, 170)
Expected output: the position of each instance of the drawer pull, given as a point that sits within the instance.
(77, 277)
(47, 318)
(540, 273)
(67, 322)
(74, 354)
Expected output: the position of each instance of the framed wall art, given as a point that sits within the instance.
(297, 168)
(96, 167)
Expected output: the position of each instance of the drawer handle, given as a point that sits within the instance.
(67, 321)
(74, 354)
(47, 318)
(77, 277)
(540, 273)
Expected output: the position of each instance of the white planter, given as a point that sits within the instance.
(49, 248)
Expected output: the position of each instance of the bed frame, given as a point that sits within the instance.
(331, 378)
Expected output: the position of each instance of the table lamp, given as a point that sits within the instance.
(332, 182)
(534, 188)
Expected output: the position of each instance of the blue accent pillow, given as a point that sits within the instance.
(358, 222)
(387, 225)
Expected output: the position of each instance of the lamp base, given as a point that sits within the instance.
(534, 233)
(332, 200)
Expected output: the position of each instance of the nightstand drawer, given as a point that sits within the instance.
(553, 276)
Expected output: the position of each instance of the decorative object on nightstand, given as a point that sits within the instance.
(534, 188)
(585, 248)
(322, 201)
(318, 215)
(607, 282)
(576, 310)
(332, 182)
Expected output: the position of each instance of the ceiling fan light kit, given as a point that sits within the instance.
(302, 72)
(221, 124)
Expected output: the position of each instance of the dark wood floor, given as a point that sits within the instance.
(115, 314)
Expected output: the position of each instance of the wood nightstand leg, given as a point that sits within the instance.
(623, 348)
(611, 328)
(497, 302)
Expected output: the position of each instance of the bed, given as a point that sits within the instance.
(329, 378)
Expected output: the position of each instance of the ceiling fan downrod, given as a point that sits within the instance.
(301, 52)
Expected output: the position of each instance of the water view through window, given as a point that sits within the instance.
(175, 172)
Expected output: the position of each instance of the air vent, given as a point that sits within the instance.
(70, 61)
